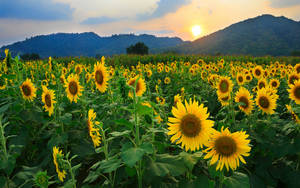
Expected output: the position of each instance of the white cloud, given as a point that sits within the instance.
(84, 9)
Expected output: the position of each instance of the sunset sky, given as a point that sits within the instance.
(25, 18)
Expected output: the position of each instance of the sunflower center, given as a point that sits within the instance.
(225, 146)
(190, 125)
(264, 102)
(240, 79)
(138, 87)
(26, 90)
(297, 92)
(224, 86)
(226, 98)
(245, 101)
(248, 77)
(73, 88)
(99, 77)
(257, 72)
(298, 69)
(274, 84)
(261, 85)
(292, 79)
(48, 100)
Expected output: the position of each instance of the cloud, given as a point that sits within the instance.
(35, 10)
(98, 20)
(284, 3)
(164, 7)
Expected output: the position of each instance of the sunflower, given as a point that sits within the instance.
(177, 98)
(224, 99)
(294, 115)
(190, 126)
(93, 130)
(248, 77)
(167, 80)
(58, 162)
(224, 86)
(294, 91)
(3, 82)
(28, 90)
(243, 96)
(48, 97)
(262, 83)
(266, 100)
(293, 77)
(297, 68)
(240, 78)
(73, 88)
(274, 83)
(149, 73)
(228, 149)
(257, 72)
(161, 100)
(101, 76)
(78, 69)
(140, 87)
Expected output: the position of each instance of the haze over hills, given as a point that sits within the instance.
(262, 35)
(87, 44)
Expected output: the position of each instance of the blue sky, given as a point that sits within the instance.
(25, 18)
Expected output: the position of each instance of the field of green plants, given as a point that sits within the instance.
(150, 121)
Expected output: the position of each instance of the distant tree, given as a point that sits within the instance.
(139, 48)
(32, 56)
(295, 53)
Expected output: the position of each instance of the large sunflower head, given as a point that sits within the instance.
(190, 125)
(297, 68)
(262, 83)
(240, 78)
(93, 129)
(274, 83)
(224, 86)
(294, 91)
(167, 80)
(28, 90)
(243, 96)
(140, 87)
(59, 164)
(293, 77)
(266, 100)
(48, 98)
(101, 76)
(73, 88)
(228, 149)
(258, 72)
(248, 77)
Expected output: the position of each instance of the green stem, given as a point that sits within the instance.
(72, 174)
(3, 140)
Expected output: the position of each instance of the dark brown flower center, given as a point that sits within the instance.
(26, 90)
(226, 98)
(257, 72)
(298, 69)
(274, 84)
(248, 77)
(48, 100)
(78, 70)
(190, 125)
(224, 86)
(241, 79)
(261, 85)
(244, 100)
(99, 77)
(297, 92)
(292, 79)
(225, 146)
(73, 88)
(264, 102)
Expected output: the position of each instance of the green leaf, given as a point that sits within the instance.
(167, 164)
(2, 181)
(143, 110)
(116, 134)
(110, 165)
(132, 155)
(124, 122)
(237, 180)
(190, 159)
(147, 147)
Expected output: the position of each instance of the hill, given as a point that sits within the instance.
(86, 44)
(262, 35)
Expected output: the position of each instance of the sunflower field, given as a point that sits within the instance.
(150, 121)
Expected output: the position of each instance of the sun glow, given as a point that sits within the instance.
(196, 30)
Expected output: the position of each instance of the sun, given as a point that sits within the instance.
(196, 30)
